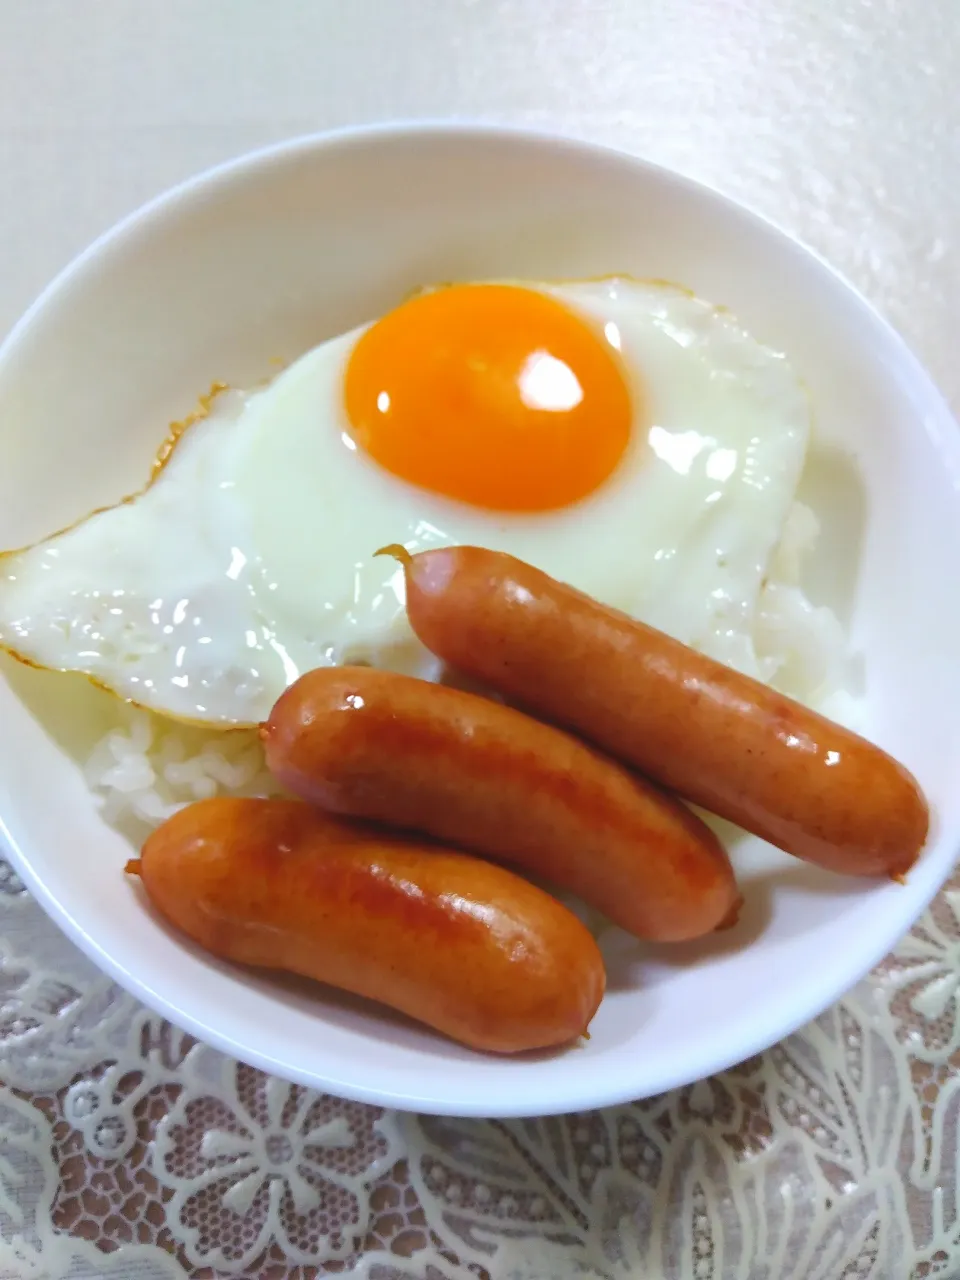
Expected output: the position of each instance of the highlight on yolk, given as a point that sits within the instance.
(491, 394)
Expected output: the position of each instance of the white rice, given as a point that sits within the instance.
(148, 767)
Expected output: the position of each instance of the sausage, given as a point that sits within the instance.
(485, 777)
(465, 946)
(718, 738)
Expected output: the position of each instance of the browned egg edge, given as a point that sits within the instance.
(175, 432)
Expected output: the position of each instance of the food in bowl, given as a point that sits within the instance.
(626, 438)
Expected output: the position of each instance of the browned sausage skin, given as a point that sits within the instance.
(717, 738)
(482, 776)
(462, 945)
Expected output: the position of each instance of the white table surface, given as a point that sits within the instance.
(838, 119)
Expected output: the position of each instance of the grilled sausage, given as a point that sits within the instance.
(460, 944)
(482, 776)
(718, 738)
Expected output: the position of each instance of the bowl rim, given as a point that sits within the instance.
(940, 426)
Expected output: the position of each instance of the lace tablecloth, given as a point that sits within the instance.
(127, 1150)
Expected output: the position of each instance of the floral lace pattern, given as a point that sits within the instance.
(128, 1151)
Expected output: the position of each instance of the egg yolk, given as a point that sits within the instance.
(494, 395)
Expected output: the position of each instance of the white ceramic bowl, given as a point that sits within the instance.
(267, 256)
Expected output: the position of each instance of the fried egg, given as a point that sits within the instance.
(625, 437)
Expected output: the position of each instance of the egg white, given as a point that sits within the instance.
(250, 558)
